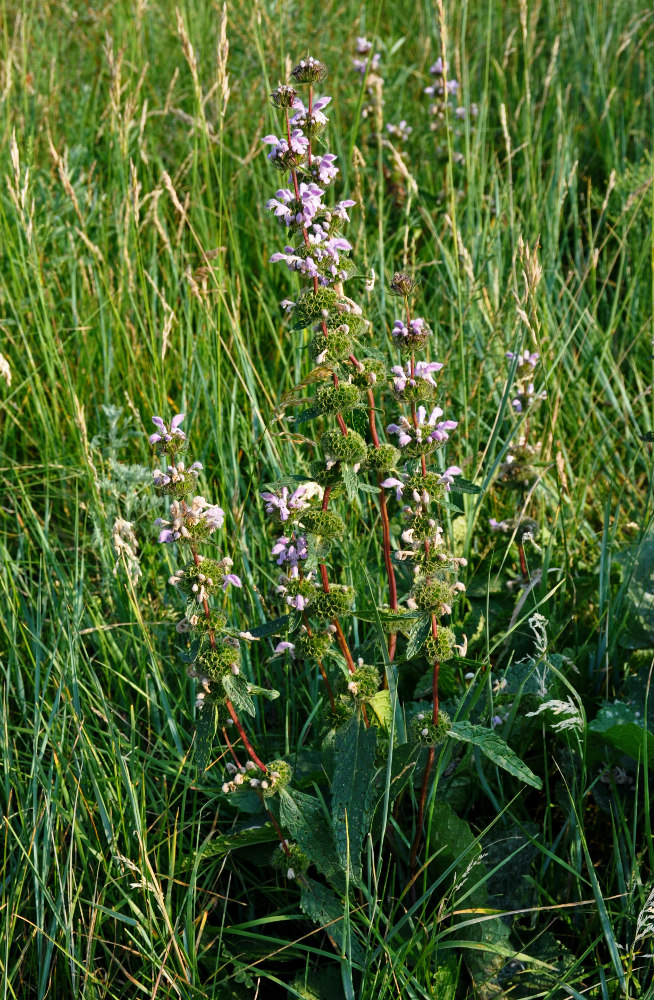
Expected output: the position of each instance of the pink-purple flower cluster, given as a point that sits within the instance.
(319, 247)
(428, 429)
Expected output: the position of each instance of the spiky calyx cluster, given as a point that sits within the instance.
(442, 647)
(205, 577)
(201, 624)
(314, 307)
(176, 481)
(384, 458)
(290, 859)
(432, 594)
(337, 398)
(277, 776)
(368, 373)
(349, 448)
(429, 733)
(334, 347)
(336, 602)
(326, 524)
(362, 684)
(219, 660)
(312, 646)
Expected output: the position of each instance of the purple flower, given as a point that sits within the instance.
(166, 435)
(290, 550)
(339, 209)
(298, 145)
(401, 430)
(525, 358)
(302, 114)
(421, 370)
(283, 503)
(281, 647)
(326, 169)
(496, 721)
(397, 483)
(448, 476)
(437, 68)
(233, 579)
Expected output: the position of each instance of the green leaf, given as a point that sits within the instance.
(419, 632)
(205, 730)
(237, 690)
(461, 485)
(351, 481)
(218, 847)
(617, 725)
(381, 706)
(369, 488)
(309, 414)
(352, 790)
(188, 655)
(326, 909)
(270, 628)
(403, 765)
(494, 747)
(303, 817)
(294, 620)
(268, 693)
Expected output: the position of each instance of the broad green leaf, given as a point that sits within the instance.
(311, 413)
(218, 847)
(419, 632)
(494, 747)
(205, 730)
(461, 485)
(618, 726)
(270, 628)
(381, 706)
(237, 690)
(351, 481)
(303, 817)
(352, 789)
(326, 909)
(269, 693)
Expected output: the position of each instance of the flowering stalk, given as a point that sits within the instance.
(517, 472)
(433, 592)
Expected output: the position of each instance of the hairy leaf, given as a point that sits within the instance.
(461, 485)
(494, 747)
(419, 632)
(352, 790)
(351, 481)
(303, 817)
(311, 413)
(218, 847)
(270, 628)
(270, 693)
(236, 689)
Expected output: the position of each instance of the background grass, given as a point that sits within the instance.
(133, 281)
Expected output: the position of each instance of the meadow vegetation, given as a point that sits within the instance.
(135, 280)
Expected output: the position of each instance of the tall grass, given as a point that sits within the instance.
(133, 275)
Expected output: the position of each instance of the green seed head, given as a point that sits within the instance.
(337, 399)
(325, 523)
(349, 448)
(336, 346)
(216, 663)
(383, 458)
(428, 733)
(313, 307)
(292, 861)
(333, 604)
(312, 646)
(442, 646)
(373, 372)
(431, 594)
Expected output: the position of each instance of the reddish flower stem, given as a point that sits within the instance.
(241, 732)
(231, 748)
